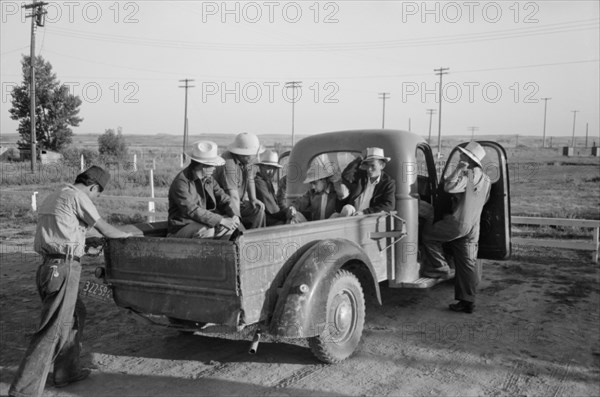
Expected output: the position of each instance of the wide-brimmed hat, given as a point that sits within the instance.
(475, 151)
(319, 170)
(205, 152)
(246, 144)
(98, 175)
(374, 153)
(270, 159)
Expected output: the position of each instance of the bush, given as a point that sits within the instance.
(113, 145)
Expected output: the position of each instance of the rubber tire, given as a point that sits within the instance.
(345, 289)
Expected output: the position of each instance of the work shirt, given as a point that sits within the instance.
(471, 190)
(363, 201)
(191, 199)
(235, 176)
(316, 206)
(63, 219)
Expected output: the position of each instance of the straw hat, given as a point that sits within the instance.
(475, 151)
(319, 170)
(205, 152)
(374, 153)
(246, 144)
(269, 158)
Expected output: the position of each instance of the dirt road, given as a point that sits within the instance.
(535, 332)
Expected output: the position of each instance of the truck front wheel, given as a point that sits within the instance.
(345, 320)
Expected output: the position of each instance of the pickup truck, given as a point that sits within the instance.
(306, 280)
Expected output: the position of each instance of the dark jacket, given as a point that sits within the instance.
(191, 199)
(309, 204)
(384, 194)
(265, 192)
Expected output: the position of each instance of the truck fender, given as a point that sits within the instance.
(300, 311)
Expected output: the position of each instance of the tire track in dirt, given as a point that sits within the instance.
(299, 375)
(560, 374)
(510, 382)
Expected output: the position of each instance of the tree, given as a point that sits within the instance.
(56, 110)
(112, 145)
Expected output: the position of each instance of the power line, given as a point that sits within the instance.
(38, 15)
(440, 72)
(544, 131)
(430, 112)
(563, 27)
(473, 129)
(574, 117)
(185, 118)
(293, 85)
(384, 96)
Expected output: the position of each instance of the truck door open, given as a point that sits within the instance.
(494, 237)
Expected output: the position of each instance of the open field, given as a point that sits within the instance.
(535, 330)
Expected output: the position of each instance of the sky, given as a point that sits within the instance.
(125, 60)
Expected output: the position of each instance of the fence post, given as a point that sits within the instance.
(151, 217)
(135, 162)
(81, 163)
(181, 160)
(34, 201)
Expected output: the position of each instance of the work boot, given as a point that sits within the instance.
(462, 306)
(83, 373)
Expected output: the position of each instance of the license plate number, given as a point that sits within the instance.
(98, 291)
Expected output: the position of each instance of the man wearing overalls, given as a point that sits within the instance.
(470, 189)
(64, 217)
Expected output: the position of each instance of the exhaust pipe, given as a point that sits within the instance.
(255, 341)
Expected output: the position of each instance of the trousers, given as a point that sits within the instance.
(57, 339)
(463, 243)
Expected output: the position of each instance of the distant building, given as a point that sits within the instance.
(45, 156)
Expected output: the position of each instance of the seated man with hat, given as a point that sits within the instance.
(323, 199)
(370, 189)
(237, 179)
(470, 188)
(265, 190)
(198, 207)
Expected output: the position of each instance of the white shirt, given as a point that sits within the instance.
(363, 201)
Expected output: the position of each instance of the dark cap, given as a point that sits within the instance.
(98, 175)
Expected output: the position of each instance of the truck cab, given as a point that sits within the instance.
(413, 168)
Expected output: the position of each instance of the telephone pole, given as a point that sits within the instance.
(293, 85)
(440, 72)
(473, 129)
(384, 96)
(185, 118)
(544, 133)
(431, 112)
(38, 17)
(574, 117)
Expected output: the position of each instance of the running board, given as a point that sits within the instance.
(423, 282)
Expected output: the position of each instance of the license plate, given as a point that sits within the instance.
(98, 291)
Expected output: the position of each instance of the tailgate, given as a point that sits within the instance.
(188, 279)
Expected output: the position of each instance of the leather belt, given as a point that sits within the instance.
(61, 256)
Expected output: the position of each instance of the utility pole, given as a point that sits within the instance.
(440, 72)
(293, 85)
(384, 96)
(586, 134)
(473, 129)
(544, 133)
(185, 117)
(430, 112)
(574, 117)
(38, 17)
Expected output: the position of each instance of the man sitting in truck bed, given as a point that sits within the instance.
(197, 202)
(324, 198)
(370, 189)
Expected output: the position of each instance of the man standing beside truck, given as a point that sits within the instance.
(64, 217)
(470, 189)
(236, 177)
(198, 207)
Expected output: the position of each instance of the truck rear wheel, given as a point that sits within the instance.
(344, 322)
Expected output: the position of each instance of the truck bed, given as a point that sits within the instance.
(233, 283)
